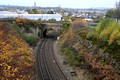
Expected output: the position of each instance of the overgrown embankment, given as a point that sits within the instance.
(30, 29)
(85, 54)
(16, 60)
(107, 36)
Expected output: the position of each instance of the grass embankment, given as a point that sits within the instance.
(30, 39)
(16, 60)
(76, 54)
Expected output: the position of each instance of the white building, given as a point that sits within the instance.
(33, 16)
(90, 21)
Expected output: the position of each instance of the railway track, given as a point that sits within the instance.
(48, 66)
(45, 75)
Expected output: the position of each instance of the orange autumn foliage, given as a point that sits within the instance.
(16, 59)
(101, 72)
(23, 22)
(79, 23)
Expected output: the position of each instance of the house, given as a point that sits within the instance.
(90, 21)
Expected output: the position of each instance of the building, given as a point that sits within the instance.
(34, 4)
(33, 16)
(90, 21)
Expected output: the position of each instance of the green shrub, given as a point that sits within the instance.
(91, 33)
(65, 26)
(108, 31)
(30, 39)
(52, 19)
(82, 32)
(104, 63)
(71, 57)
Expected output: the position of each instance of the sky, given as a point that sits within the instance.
(62, 3)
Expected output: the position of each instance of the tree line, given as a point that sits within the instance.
(114, 13)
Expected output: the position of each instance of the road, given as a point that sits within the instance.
(48, 67)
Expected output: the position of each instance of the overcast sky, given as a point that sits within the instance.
(63, 3)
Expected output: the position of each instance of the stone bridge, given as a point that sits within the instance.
(56, 25)
(49, 25)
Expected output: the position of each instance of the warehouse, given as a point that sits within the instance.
(33, 16)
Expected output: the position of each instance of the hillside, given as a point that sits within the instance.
(16, 60)
(82, 53)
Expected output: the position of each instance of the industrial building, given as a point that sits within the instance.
(33, 16)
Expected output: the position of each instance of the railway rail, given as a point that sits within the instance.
(48, 66)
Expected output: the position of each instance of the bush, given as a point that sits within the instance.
(16, 60)
(65, 26)
(27, 23)
(82, 32)
(91, 33)
(30, 39)
(71, 57)
(108, 31)
(79, 23)
(52, 20)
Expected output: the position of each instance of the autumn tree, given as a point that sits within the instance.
(37, 11)
(50, 12)
(52, 19)
(34, 11)
(79, 23)
(108, 31)
(31, 12)
(117, 11)
(109, 13)
(70, 13)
